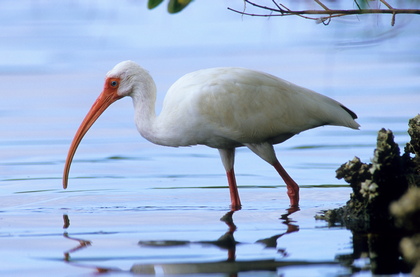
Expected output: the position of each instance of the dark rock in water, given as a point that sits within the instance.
(375, 186)
(407, 209)
(412, 152)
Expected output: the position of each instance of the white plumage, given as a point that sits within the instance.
(223, 108)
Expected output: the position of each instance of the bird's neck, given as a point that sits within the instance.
(144, 100)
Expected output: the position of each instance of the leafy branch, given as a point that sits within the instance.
(174, 6)
(282, 10)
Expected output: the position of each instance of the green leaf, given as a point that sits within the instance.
(153, 4)
(175, 6)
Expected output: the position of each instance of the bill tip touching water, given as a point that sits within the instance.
(223, 108)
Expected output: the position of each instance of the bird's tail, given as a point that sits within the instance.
(349, 121)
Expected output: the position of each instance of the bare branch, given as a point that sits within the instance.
(282, 10)
(391, 8)
(322, 5)
(386, 4)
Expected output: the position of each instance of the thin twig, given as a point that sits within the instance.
(278, 6)
(322, 5)
(357, 4)
(260, 6)
(306, 17)
(282, 10)
(334, 12)
(388, 5)
(324, 20)
(391, 8)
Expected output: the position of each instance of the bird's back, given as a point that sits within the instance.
(219, 107)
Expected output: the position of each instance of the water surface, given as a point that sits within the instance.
(130, 202)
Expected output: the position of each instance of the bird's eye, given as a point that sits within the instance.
(114, 84)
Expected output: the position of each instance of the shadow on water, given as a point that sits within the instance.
(226, 242)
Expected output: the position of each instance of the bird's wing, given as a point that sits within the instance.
(248, 106)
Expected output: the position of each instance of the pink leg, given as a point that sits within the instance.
(234, 195)
(292, 187)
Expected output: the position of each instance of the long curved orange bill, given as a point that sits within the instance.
(108, 96)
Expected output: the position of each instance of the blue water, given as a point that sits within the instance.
(123, 189)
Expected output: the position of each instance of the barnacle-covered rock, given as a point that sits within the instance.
(375, 186)
(412, 152)
(369, 214)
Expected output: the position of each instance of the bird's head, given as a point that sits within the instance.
(123, 78)
(121, 81)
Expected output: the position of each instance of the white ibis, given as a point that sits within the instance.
(222, 108)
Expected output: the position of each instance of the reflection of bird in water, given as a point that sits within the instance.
(226, 241)
(271, 242)
(223, 108)
(82, 243)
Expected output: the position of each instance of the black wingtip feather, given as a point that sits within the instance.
(353, 115)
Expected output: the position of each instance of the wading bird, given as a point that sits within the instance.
(222, 108)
